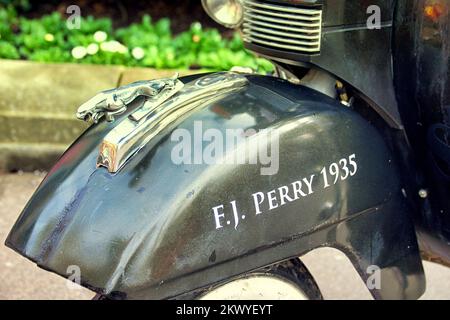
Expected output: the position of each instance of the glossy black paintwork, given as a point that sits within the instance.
(149, 231)
(422, 70)
(355, 54)
(402, 72)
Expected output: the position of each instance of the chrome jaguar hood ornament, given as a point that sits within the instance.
(147, 121)
(167, 100)
(112, 102)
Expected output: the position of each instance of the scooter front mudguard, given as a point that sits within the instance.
(159, 229)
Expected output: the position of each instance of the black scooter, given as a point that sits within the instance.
(346, 146)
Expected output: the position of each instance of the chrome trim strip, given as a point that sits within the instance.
(139, 128)
(282, 46)
(362, 26)
(280, 39)
(281, 33)
(281, 21)
(283, 15)
(285, 27)
(283, 8)
(249, 22)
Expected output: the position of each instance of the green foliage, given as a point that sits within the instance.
(8, 51)
(144, 44)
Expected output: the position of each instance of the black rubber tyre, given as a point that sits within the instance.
(291, 271)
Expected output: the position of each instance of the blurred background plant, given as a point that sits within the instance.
(100, 40)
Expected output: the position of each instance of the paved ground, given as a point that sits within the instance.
(21, 279)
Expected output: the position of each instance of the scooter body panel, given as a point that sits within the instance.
(157, 229)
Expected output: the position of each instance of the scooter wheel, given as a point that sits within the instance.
(288, 280)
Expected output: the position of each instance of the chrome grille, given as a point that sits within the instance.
(282, 26)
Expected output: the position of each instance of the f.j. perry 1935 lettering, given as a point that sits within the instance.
(264, 202)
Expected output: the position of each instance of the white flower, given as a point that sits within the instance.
(197, 26)
(49, 37)
(92, 48)
(113, 46)
(138, 53)
(105, 46)
(121, 48)
(79, 52)
(100, 36)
